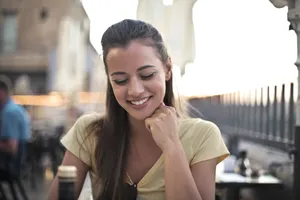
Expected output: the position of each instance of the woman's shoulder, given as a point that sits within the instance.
(197, 124)
(79, 141)
(88, 119)
(86, 124)
(197, 129)
(204, 138)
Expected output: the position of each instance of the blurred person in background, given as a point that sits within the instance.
(143, 147)
(14, 127)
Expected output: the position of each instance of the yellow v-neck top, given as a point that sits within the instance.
(200, 139)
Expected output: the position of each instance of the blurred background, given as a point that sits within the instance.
(232, 57)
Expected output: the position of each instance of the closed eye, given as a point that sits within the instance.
(145, 77)
(120, 82)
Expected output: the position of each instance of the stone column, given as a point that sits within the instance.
(151, 12)
(71, 53)
(175, 22)
(294, 18)
(63, 60)
(179, 32)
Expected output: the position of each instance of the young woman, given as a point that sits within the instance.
(142, 148)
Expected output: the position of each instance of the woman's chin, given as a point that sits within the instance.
(139, 117)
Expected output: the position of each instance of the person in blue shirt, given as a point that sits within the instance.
(14, 122)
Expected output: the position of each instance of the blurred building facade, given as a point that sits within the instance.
(29, 37)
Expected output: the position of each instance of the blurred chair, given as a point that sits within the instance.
(10, 173)
(40, 147)
(56, 149)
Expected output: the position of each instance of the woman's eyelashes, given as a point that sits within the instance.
(148, 76)
(120, 82)
(143, 77)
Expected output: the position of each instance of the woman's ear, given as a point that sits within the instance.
(169, 67)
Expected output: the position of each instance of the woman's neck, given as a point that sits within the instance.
(139, 132)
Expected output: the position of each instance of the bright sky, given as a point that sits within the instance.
(103, 13)
(239, 43)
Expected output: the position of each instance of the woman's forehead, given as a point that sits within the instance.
(135, 55)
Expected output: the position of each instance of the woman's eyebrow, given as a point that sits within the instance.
(139, 69)
(144, 67)
(117, 73)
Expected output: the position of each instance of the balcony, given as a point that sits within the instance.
(25, 62)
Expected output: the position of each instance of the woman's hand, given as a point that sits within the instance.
(163, 125)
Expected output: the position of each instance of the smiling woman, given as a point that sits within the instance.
(142, 147)
(138, 76)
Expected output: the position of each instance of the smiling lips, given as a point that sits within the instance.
(139, 102)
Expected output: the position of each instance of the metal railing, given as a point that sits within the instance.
(265, 115)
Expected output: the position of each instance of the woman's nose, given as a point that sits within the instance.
(135, 88)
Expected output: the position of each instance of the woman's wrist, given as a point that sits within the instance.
(172, 146)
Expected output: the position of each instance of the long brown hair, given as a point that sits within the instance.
(113, 130)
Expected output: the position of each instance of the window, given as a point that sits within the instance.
(43, 14)
(9, 32)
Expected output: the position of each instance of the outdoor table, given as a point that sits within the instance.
(234, 182)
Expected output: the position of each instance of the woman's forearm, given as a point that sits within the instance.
(179, 180)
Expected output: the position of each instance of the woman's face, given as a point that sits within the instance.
(138, 78)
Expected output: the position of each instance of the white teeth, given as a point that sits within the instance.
(140, 101)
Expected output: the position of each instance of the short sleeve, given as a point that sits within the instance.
(78, 141)
(10, 125)
(208, 143)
